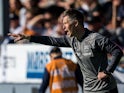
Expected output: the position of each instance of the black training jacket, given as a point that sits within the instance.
(91, 53)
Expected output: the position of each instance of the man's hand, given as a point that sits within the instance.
(102, 76)
(18, 37)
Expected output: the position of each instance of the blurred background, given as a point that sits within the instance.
(22, 65)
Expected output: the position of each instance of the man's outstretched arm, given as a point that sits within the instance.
(47, 40)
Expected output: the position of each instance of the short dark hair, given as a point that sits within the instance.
(74, 14)
(93, 19)
(55, 50)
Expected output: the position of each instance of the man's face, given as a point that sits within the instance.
(14, 23)
(68, 26)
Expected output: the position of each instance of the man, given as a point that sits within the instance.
(61, 74)
(91, 50)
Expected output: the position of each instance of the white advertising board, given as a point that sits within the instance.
(24, 63)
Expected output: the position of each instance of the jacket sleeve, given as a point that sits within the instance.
(112, 48)
(45, 82)
(47, 40)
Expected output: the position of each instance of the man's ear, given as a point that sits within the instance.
(76, 23)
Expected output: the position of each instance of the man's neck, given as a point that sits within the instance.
(79, 33)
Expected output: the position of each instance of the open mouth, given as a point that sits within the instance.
(66, 32)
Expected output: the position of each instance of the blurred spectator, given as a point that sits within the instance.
(51, 24)
(15, 28)
(95, 8)
(119, 72)
(119, 4)
(103, 1)
(48, 24)
(89, 7)
(51, 9)
(67, 4)
(96, 24)
(59, 28)
(28, 5)
(120, 33)
(113, 10)
(82, 6)
(34, 20)
(46, 3)
(61, 74)
(14, 24)
(38, 17)
(15, 6)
